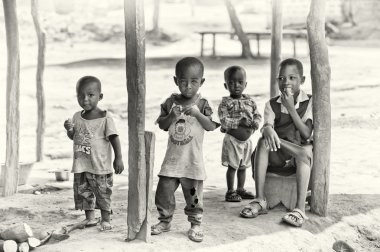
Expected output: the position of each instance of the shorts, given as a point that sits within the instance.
(93, 191)
(236, 153)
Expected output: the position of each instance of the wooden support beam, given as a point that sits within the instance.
(320, 79)
(12, 98)
(150, 140)
(275, 55)
(135, 70)
(40, 94)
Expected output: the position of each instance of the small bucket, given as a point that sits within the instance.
(23, 173)
(62, 175)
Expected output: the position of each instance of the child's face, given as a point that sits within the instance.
(189, 81)
(89, 95)
(236, 83)
(290, 78)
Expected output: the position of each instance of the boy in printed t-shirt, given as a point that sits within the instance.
(185, 116)
(94, 134)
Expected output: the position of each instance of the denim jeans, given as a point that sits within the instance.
(165, 199)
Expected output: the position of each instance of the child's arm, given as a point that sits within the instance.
(206, 122)
(305, 128)
(164, 122)
(118, 164)
(69, 126)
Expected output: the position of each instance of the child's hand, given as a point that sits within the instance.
(272, 141)
(245, 122)
(192, 111)
(118, 165)
(287, 100)
(176, 111)
(69, 126)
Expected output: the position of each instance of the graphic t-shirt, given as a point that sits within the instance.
(184, 154)
(92, 148)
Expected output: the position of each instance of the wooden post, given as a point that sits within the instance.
(12, 98)
(320, 79)
(275, 56)
(150, 140)
(135, 69)
(156, 14)
(39, 81)
(243, 38)
(213, 44)
(202, 43)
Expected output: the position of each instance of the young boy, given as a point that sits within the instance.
(94, 134)
(185, 116)
(239, 119)
(285, 141)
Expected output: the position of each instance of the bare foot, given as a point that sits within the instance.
(105, 225)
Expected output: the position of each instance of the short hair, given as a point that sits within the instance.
(88, 79)
(188, 62)
(292, 62)
(233, 69)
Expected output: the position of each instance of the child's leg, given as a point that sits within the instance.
(230, 176)
(84, 197)
(295, 151)
(165, 199)
(240, 179)
(193, 192)
(262, 157)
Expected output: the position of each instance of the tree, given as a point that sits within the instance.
(12, 99)
(235, 22)
(320, 80)
(39, 82)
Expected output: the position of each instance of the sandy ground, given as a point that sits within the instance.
(354, 208)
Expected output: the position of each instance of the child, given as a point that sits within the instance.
(288, 125)
(93, 132)
(186, 116)
(239, 119)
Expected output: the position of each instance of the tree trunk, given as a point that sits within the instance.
(320, 79)
(12, 99)
(275, 56)
(246, 49)
(135, 69)
(39, 81)
(156, 14)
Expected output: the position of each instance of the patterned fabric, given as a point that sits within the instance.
(92, 148)
(231, 111)
(92, 191)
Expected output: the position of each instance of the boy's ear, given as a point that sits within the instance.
(175, 80)
(303, 79)
(203, 80)
(225, 86)
(100, 96)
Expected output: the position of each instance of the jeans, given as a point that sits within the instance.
(165, 199)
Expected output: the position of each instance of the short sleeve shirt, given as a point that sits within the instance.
(184, 153)
(92, 148)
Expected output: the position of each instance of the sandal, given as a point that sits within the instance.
(196, 236)
(232, 196)
(159, 228)
(254, 209)
(295, 218)
(244, 194)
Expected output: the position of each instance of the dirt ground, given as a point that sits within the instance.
(354, 206)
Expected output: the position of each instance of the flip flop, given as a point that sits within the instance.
(244, 194)
(295, 218)
(254, 209)
(158, 229)
(196, 236)
(232, 196)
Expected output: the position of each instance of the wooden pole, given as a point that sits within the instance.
(39, 81)
(246, 48)
(150, 140)
(320, 79)
(276, 39)
(12, 99)
(156, 13)
(135, 69)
